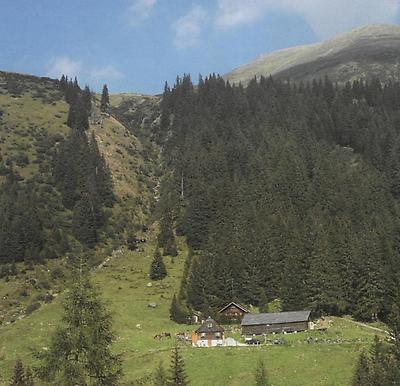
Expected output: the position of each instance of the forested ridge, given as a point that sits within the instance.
(63, 208)
(285, 191)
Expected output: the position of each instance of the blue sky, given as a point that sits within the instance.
(135, 45)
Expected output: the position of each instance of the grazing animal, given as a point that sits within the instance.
(162, 335)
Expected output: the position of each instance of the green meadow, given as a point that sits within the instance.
(124, 286)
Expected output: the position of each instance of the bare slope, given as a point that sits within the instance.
(362, 53)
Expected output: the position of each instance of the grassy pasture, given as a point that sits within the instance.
(123, 284)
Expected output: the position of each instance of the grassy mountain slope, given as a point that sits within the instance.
(123, 283)
(362, 53)
(33, 109)
(33, 117)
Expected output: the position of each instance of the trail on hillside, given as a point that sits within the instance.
(367, 326)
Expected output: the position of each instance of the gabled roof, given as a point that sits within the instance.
(209, 325)
(236, 305)
(275, 318)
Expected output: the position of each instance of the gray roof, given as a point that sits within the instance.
(275, 318)
(210, 325)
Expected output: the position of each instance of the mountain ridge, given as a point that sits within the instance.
(363, 53)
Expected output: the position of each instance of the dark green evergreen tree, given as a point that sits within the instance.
(87, 99)
(160, 376)
(105, 100)
(80, 350)
(361, 376)
(85, 221)
(176, 311)
(18, 378)
(158, 271)
(177, 376)
(78, 114)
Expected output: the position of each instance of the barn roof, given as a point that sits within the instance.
(245, 310)
(275, 318)
(210, 325)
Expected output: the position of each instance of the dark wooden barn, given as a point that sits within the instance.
(233, 311)
(258, 324)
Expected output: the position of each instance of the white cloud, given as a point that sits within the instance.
(140, 10)
(105, 73)
(325, 17)
(96, 76)
(64, 65)
(234, 12)
(189, 27)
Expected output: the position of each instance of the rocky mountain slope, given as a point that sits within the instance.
(364, 53)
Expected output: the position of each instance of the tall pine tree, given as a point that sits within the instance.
(177, 376)
(105, 100)
(80, 350)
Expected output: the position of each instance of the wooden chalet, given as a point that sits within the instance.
(259, 324)
(233, 311)
(209, 334)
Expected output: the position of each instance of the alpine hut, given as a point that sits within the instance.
(209, 334)
(233, 311)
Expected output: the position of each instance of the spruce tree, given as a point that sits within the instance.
(176, 313)
(170, 249)
(105, 100)
(157, 269)
(18, 378)
(261, 378)
(166, 236)
(87, 99)
(80, 349)
(361, 376)
(177, 375)
(160, 376)
(84, 221)
(78, 115)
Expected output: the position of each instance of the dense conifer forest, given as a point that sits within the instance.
(284, 191)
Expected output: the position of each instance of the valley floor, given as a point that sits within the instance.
(123, 283)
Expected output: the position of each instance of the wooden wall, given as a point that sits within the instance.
(264, 329)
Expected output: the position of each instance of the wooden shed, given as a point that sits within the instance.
(259, 324)
(233, 311)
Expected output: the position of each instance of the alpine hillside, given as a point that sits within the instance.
(364, 53)
(126, 219)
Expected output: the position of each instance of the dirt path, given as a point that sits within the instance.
(367, 326)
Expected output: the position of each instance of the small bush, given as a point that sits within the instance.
(57, 273)
(23, 293)
(32, 307)
(48, 298)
